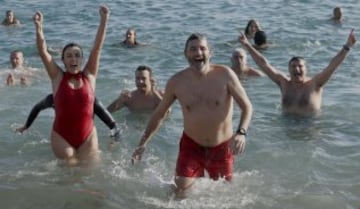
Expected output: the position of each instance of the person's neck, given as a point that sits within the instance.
(73, 72)
(145, 92)
(129, 42)
(300, 82)
(239, 70)
(18, 67)
(200, 72)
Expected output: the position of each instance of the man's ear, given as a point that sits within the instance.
(210, 53)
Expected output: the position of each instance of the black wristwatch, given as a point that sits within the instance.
(241, 131)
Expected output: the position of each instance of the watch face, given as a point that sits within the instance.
(241, 131)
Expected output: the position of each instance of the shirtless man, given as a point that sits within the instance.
(144, 99)
(240, 66)
(205, 92)
(17, 64)
(301, 95)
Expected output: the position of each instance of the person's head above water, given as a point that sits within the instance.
(239, 58)
(297, 68)
(10, 18)
(260, 38)
(144, 78)
(251, 28)
(17, 59)
(337, 13)
(197, 51)
(130, 37)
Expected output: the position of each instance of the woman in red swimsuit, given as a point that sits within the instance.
(74, 137)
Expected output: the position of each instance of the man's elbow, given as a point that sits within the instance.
(247, 108)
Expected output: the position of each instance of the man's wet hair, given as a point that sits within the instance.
(144, 68)
(296, 59)
(15, 52)
(194, 36)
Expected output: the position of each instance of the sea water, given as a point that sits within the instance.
(289, 162)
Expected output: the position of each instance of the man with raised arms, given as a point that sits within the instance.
(301, 95)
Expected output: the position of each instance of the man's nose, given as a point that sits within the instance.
(198, 52)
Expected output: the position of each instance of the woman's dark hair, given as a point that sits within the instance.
(260, 38)
(69, 46)
(247, 28)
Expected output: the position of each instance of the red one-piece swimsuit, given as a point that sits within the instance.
(74, 110)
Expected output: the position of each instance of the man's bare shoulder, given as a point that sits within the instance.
(183, 72)
(180, 76)
(222, 70)
(178, 80)
(159, 92)
(220, 66)
(126, 94)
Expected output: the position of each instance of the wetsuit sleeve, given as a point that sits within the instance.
(43, 104)
(104, 114)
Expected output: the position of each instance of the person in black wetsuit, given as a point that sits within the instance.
(99, 110)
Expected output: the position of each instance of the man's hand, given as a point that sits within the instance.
(237, 144)
(21, 129)
(136, 156)
(351, 39)
(24, 81)
(243, 40)
(38, 18)
(10, 80)
(104, 11)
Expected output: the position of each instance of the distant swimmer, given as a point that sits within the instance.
(240, 66)
(145, 98)
(17, 59)
(74, 136)
(260, 40)
(251, 28)
(10, 19)
(130, 40)
(206, 93)
(337, 14)
(99, 110)
(301, 95)
(19, 73)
